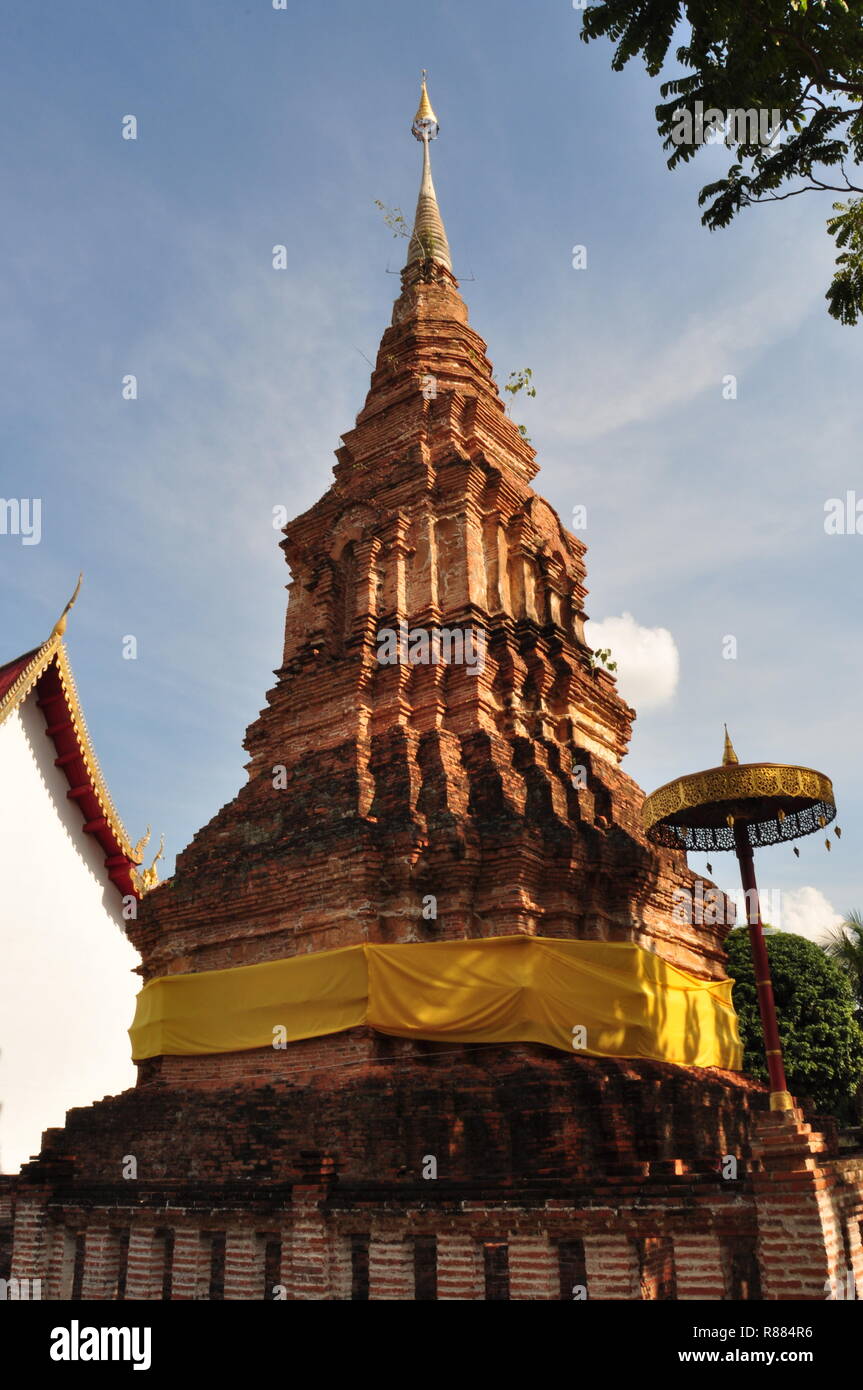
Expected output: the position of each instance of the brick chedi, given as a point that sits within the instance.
(447, 778)
(356, 1164)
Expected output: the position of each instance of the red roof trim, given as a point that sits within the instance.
(54, 686)
(13, 669)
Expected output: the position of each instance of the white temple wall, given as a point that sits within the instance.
(66, 991)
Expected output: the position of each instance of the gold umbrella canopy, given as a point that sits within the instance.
(776, 802)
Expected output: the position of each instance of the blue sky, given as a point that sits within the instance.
(153, 257)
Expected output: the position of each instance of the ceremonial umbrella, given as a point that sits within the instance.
(742, 806)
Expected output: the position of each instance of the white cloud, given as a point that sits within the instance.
(807, 912)
(648, 664)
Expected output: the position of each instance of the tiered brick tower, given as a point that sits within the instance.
(452, 779)
(359, 1165)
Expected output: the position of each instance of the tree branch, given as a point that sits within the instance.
(807, 188)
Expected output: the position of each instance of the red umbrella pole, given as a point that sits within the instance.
(779, 1096)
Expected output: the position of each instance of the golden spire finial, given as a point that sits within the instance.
(728, 755)
(428, 241)
(60, 626)
(425, 123)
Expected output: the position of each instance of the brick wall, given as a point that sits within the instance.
(328, 1243)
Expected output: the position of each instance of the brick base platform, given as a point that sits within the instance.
(492, 1173)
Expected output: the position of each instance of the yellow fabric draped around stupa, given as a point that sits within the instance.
(598, 998)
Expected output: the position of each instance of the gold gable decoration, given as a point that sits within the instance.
(145, 880)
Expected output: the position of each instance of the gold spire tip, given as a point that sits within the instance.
(60, 626)
(728, 754)
(425, 123)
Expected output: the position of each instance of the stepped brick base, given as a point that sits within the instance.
(375, 1183)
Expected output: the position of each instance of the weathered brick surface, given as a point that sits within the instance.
(61, 1262)
(189, 1279)
(533, 1268)
(30, 1238)
(806, 1204)
(101, 1266)
(405, 780)
(244, 1267)
(612, 1267)
(391, 1271)
(146, 1264)
(503, 1115)
(699, 1266)
(459, 1268)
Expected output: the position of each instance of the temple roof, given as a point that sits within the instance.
(46, 672)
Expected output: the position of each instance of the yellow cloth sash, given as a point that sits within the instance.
(603, 999)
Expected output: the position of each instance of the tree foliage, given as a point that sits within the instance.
(822, 1042)
(844, 945)
(800, 58)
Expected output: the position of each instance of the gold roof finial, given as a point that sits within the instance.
(138, 851)
(145, 880)
(60, 626)
(728, 754)
(425, 122)
(428, 240)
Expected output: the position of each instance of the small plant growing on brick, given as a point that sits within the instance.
(600, 660)
(394, 219)
(521, 381)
